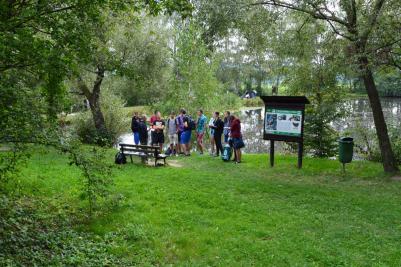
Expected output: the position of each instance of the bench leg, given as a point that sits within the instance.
(164, 162)
(155, 162)
(131, 158)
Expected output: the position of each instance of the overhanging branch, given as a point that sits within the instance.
(316, 11)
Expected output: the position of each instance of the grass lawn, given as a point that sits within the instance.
(207, 212)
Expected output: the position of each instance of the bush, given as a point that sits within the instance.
(367, 145)
(115, 116)
(253, 102)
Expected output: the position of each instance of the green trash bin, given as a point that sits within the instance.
(345, 149)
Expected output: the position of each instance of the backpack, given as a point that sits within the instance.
(226, 155)
(191, 123)
(120, 158)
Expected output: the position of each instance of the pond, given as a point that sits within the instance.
(359, 116)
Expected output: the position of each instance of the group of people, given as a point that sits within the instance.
(179, 132)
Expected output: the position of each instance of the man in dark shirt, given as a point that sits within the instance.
(158, 135)
(218, 127)
(185, 138)
(143, 131)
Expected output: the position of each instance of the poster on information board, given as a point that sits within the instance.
(283, 122)
(284, 118)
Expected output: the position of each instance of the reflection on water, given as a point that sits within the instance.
(252, 131)
(359, 116)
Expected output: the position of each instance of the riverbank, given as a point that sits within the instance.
(201, 211)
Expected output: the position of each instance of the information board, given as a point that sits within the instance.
(284, 119)
(283, 122)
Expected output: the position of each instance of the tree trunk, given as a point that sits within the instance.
(389, 162)
(259, 86)
(93, 99)
(97, 114)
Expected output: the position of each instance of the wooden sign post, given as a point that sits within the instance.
(284, 121)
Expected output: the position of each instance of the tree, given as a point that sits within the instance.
(315, 68)
(143, 78)
(358, 23)
(107, 55)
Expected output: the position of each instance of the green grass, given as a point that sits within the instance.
(209, 212)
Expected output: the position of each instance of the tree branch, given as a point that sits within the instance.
(83, 87)
(316, 12)
(335, 30)
(372, 20)
(99, 79)
(47, 12)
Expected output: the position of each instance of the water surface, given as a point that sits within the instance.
(359, 116)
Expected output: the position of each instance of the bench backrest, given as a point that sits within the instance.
(140, 148)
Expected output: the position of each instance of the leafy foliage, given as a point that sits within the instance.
(143, 76)
(367, 144)
(34, 233)
(314, 74)
(96, 174)
(194, 84)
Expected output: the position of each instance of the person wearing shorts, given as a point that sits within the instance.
(158, 134)
(172, 133)
(185, 137)
(200, 130)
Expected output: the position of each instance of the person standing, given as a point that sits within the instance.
(227, 122)
(172, 133)
(135, 127)
(180, 129)
(152, 119)
(200, 130)
(235, 134)
(211, 135)
(218, 127)
(185, 134)
(158, 134)
(143, 131)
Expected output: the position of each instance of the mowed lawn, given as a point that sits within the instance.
(203, 211)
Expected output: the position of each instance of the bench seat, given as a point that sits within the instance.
(143, 152)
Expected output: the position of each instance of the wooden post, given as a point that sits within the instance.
(300, 154)
(271, 153)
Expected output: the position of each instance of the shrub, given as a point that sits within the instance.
(253, 102)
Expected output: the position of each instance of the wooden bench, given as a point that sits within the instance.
(144, 152)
